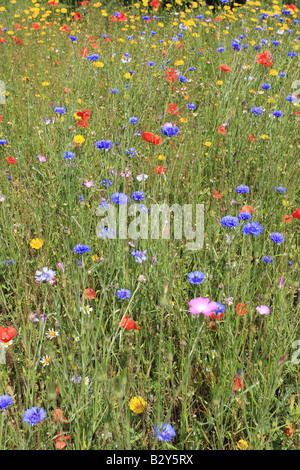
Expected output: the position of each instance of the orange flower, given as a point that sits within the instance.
(217, 195)
(247, 209)
(61, 440)
(89, 293)
(153, 138)
(129, 324)
(241, 309)
(222, 130)
(225, 68)
(58, 416)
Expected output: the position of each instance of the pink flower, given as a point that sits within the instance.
(263, 310)
(88, 184)
(41, 158)
(61, 267)
(202, 305)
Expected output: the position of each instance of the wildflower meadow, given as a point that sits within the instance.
(149, 225)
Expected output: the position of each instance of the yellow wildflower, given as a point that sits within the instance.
(137, 405)
(36, 243)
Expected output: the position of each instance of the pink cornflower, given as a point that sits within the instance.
(88, 184)
(41, 158)
(202, 305)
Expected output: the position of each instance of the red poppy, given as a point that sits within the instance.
(171, 75)
(11, 160)
(154, 4)
(89, 293)
(286, 219)
(65, 28)
(291, 7)
(85, 2)
(222, 130)
(289, 431)
(218, 18)
(225, 68)
(55, 62)
(84, 52)
(129, 324)
(1, 119)
(217, 196)
(247, 209)
(263, 58)
(121, 18)
(61, 440)
(251, 138)
(298, 112)
(18, 41)
(296, 214)
(241, 309)
(160, 169)
(2, 40)
(152, 138)
(7, 334)
(173, 109)
(18, 27)
(77, 16)
(36, 26)
(237, 384)
(107, 40)
(58, 416)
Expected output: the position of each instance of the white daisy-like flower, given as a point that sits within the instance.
(87, 309)
(45, 360)
(51, 333)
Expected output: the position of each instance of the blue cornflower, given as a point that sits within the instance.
(81, 249)
(256, 110)
(104, 144)
(92, 57)
(104, 205)
(146, 18)
(166, 432)
(192, 69)
(123, 294)
(182, 27)
(277, 237)
(138, 196)
(119, 198)
(59, 110)
(291, 98)
(229, 221)
(144, 209)
(252, 228)
(153, 33)
(191, 106)
(266, 86)
(131, 152)
(106, 233)
(199, 17)
(276, 43)
(34, 415)
(69, 155)
(277, 113)
(268, 259)
(221, 49)
(139, 256)
(114, 91)
(106, 183)
(3, 142)
(236, 45)
(182, 78)
(242, 189)
(292, 54)
(133, 120)
(279, 188)
(196, 277)
(169, 130)
(282, 74)
(245, 216)
(220, 309)
(130, 38)
(45, 275)
(151, 64)
(73, 38)
(5, 401)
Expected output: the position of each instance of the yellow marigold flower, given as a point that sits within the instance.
(45, 83)
(219, 82)
(161, 157)
(79, 139)
(273, 72)
(36, 243)
(137, 405)
(208, 144)
(98, 64)
(242, 445)
(179, 62)
(264, 136)
(127, 75)
(285, 203)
